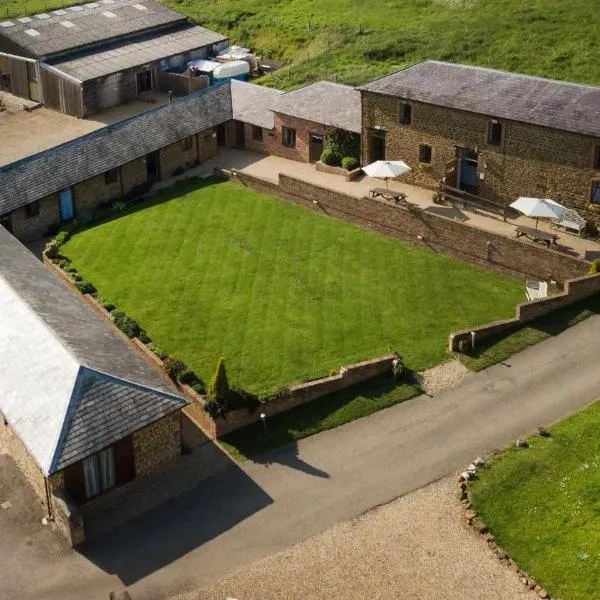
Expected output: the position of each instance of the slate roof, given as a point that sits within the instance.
(546, 102)
(324, 102)
(70, 384)
(52, 170)
(253, 103)
(81, 25)
(134, 52)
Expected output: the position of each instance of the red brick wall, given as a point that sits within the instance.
(506, 255)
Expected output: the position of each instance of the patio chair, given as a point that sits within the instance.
(536, 290)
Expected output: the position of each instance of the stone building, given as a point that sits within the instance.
(82, 412)
(69, 181)
(496, 134)
(87, 58)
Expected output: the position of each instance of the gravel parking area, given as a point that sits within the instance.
(418, 547)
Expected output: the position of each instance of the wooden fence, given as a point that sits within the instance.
(180, 85)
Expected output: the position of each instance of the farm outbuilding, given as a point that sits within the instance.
(85, 59)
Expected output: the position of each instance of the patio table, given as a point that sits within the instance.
(536, 235)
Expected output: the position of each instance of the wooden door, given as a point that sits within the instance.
(316, 147)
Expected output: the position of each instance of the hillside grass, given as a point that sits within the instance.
(542, 504)
(354, 42)
(285, 294)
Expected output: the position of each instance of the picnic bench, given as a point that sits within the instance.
(536, 235)
(388, 194)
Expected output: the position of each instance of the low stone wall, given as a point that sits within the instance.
(509, 256)
(297, 395)
(68, 518)
(348, 175)
(576, 289)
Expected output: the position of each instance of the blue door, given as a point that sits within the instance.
(67, 211)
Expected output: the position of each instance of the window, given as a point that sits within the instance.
(405, 113)
(288, 137)
(595, 194)
(99, 472)
(186, 143)
(424, 153)
(494, 133)
(257, 133)
(111, 176)
(32, 209)
(597, 158)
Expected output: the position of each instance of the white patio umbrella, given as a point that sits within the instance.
(386, 169)
(538, 208)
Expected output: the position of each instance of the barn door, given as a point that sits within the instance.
(67, 207)
(34, 92)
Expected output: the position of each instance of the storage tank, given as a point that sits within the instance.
(236, 69)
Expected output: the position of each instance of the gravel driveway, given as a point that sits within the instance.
(418, 547)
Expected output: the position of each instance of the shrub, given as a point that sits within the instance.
(69, 268)
(63, 263)
(62, 236)
(174, 367)
(594, 266)
(125, 323)
(329, 158)
(85, 287)
(199, 387)
(75, 276)
(157, 350)
(218, 388)
(144, 337)
(349, 163)
(108, 306)
(52, 249)
(343, 143)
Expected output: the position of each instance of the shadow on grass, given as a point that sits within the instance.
(319, 415)
(495, 349)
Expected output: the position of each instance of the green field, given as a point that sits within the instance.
(283, 293)
(542, 504)
(354, 41)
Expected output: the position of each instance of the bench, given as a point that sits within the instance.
(536, 235)
(388, 194)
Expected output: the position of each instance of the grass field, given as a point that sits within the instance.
(543, 505)
(354, 42)
(284, 294)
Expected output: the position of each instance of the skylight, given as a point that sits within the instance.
(42, 16)
(109, 15)
(76, 8)
(67, 24)
(6, 24)
(140, 7)
(25, 20)
(32, 32)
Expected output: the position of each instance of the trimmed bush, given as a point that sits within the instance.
(174, 367)
(199, 387)
(329, 158)
(125, 323)
(52, 249)
(85, 287)
(157, 350)
(349, 163)
(594, 266)
(61, 237)
(218, 388)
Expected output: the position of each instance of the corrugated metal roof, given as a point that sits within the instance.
(55, 352)
(324, 102)
(70, 28)
(135, 52)
(545, 102)
(61, 167)
(253, 103)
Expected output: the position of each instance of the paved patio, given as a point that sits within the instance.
(269, 167)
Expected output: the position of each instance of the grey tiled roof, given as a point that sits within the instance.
(253, 103)
(78, 26)
(60, 167)
(546, 102)
(103, 410)
(324, 102)
(54, 354)
(133, 52)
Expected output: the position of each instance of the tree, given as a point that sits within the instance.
(218, 388)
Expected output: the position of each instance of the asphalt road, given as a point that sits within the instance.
(243, 514)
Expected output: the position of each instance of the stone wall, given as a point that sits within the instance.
(529, 161)
(157, 444)
(133, 174)
(32, 228)
(92, 192)
(207, 144)
(576, 289)
(508, 256)
(177, 156)
(273, 143)
(298, 394)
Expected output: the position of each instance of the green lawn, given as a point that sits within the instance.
(354, 42)
(283, 293)
(495, 349)
(324, 413)
(543, 505)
